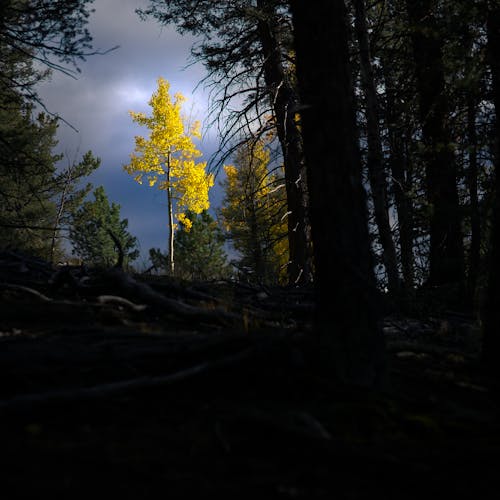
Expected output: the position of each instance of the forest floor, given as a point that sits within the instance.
(106, 390)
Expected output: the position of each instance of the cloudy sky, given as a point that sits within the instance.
(98, 101)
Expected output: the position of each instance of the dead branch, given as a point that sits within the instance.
(142, 292)
(114, 299)
(26, 290)
(119, 248)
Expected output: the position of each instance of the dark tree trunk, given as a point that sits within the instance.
(401, 176)
(347, 318)
(59, 214)
(472, 177)
(491, 316)
(375, 160)
(284, 101)
(257, 257)
(446, 245)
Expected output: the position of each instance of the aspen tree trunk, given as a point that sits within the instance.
(347, 324)
(285, 104)
(171, 265)
(375, 160)
(491, 316)
(446, 245)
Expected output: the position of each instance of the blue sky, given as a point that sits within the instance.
(98, 101)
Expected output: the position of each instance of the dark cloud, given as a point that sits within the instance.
(98, 101)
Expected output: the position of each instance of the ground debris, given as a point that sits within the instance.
(130, 385)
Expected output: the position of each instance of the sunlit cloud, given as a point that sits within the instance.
(130, 94)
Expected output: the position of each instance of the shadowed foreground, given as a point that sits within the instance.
(102, 396)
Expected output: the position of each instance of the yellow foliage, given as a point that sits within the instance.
(167, 156)
(254, 206)
(185, 221)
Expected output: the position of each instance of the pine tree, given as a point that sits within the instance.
(69, 195)
(94, 227)
(200, 249)
(52, 32)
(27, 168)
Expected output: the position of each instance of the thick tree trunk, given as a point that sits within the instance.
(446, 245)
(491, 316)
(402, 178)
(347, 315)
(375, 160)
(284, 101)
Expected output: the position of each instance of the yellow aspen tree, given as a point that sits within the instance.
(167, 159)
(254, 214)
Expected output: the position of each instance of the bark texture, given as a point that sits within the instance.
(285, 102)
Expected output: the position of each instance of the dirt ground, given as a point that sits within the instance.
(101, 399)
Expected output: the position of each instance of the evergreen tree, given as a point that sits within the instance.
(94, 227)
(69, 194)
(27, 168)
(51, 32)
(33, 196)
(199, 249)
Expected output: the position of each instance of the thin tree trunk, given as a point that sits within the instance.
(401, 178)
(446, 245)
(347, 325)
(472, 181)
(375, 160)
(257, 256)
(284, 102)
(171, 265)
(491, 316)
(60, 210)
